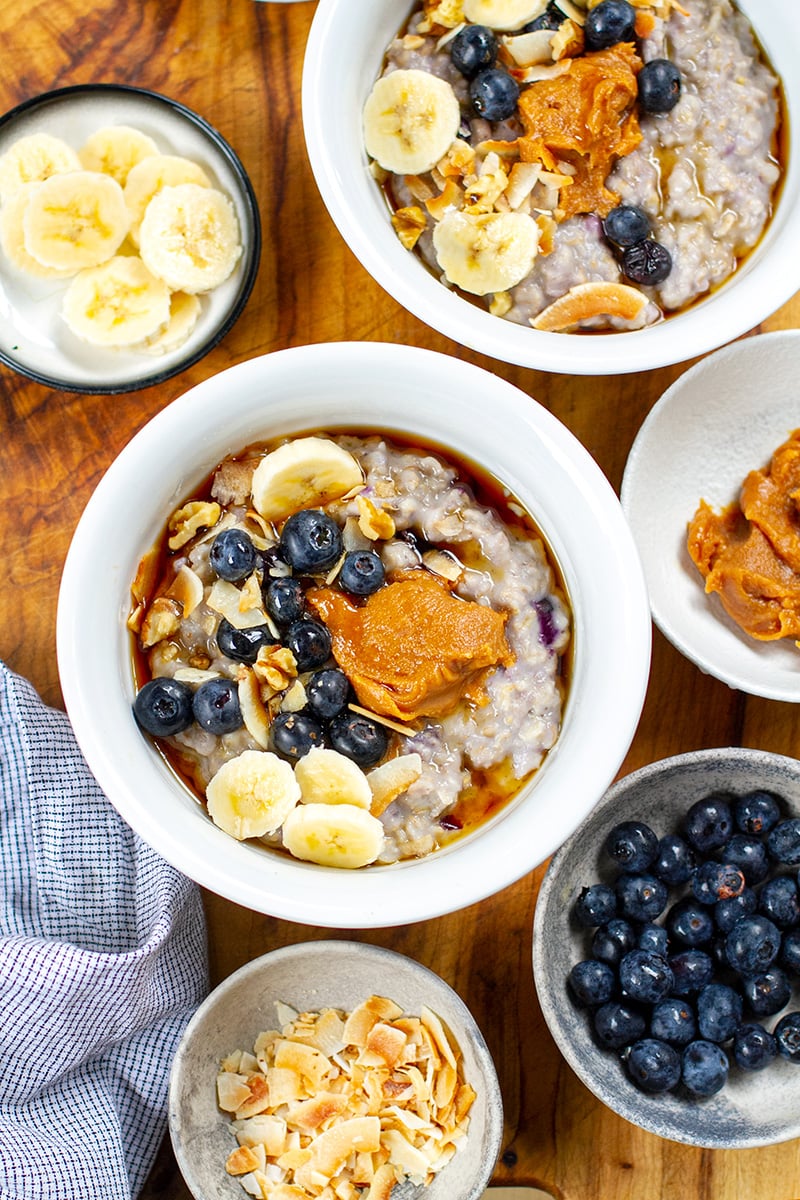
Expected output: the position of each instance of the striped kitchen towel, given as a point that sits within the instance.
(103, 960)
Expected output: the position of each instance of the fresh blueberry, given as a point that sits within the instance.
(727, 912)
(310, 541)
(675, 861)
(626, 225)
(756, 812)
(294, 734)
(752, 945)
(358, 737)
(654, 938)
(783, 842)
(473, 49)
(709, 823)
(216, 706)
(673, 1021)
(768, 993)
(645, 977)
(647, 262)
(689, 923)
(749, 855)
(654, 1066)
(494, 94)
(641, 897)
(310, 643)
(232, 555)
(778, 900)
(789, 957)
(618, 1024)
(592, 982)
(552, 18)
(787, 1036)
(327, 692)
(609, 22)
(719, 1012)
(612, 941)
(596, 905)
(704, 1068)
(362, 571)
(659, 83)
(163, 707)
(242, 645)
(753, 1047)
(632, 845)
(284, 600)
(713, 881)
(691, 970)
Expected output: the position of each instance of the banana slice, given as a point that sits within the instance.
(152, 174)
(328, 777)
(486, 252)
(411, 119)
(189, 237)
(115, 149)
(116, 304)
(184, 311)
(304, 473)
(503, 14)
(333, 835)
(12, 236)
(252, 795)
(75, 221)
(33, 159)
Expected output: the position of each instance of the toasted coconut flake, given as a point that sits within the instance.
(587, 300)
(568, 40)
(187, 589)
(405, 730)
(443, 563)
(195, 675)
(434, 1025)
(250, 595)
(418, 188)
(458, 161)
(285, 1085)
(522, 178)
(265, 1130)
(536, 74)
(146, 575)
(254, 714)
(258, 1097)
(306, 1061)
(232, 1091)
(503, 149)
(295, 698)
(452, 196)
(410, 1160)
(387, 1042)
(185, 522)
(244, 1159)
(224, 598)
(526, 49)
(548, 226)
(391, 779)
(309, 1115)
(409, 224)
(375, 523)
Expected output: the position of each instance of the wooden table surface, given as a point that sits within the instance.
(238, 63)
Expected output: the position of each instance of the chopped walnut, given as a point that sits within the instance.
(162, 620)
(275, 666)
(375, 523)
(408, 224)
(185, 522)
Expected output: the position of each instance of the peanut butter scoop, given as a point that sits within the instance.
(413, 649)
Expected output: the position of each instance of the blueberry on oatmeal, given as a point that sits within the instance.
(494, 94)
(362, 572)
(164, 707)
(659, 86)
(309, 642)
(311, 541)
(358, 737)
(283, 599)
(609, 22)
(294, 734)
(232, 555)
(216, 708)
(473, 49)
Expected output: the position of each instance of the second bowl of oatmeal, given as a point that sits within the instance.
(486, 198)
(440, 730)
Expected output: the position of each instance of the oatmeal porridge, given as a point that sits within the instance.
(351, 647)
(577, 166)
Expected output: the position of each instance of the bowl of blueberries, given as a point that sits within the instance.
(666, 948)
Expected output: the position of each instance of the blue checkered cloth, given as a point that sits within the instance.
(102, 962)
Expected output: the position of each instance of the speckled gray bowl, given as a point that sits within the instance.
(309, 976)
(754, 1109)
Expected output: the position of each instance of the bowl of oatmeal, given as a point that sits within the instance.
(354, 649)
(523, 176)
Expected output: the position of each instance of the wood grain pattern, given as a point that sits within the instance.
(239, 64)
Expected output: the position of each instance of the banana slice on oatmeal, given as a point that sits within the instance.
(411, 119)
(485, 252)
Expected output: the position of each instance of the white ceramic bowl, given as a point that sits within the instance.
(310, 976)
(355, 37)
(360, 386)
(723, 418)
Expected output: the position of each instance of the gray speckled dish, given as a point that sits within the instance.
(307, 976)
(755, 1109)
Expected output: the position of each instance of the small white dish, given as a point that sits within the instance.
(722, 418)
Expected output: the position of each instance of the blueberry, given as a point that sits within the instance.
(596, 905)
(242, 645)
(719, 1012)
(704, 1068)
(294, 734)
(654, 1066)
(216, 706)
(632, 845)
(709, 823)
(645, 977)
(494, 94)
(617, 1024)
(675, 860)
(783, 842)
(752, 945)
(310, 541)
(653, 937)
(673, 1021)
(359, 738)
(713, 881)
(362, 571)
(767, 993)
(473, 49)
(592, 982)
(641, 897)
(659, 83)
(626, 225)
(232, 555)
(778, 900)
(284, 600)
(787, 1037)
(789, 957)
(647, 262)
(612, 941)
(163, 707)
(753, 1047)
(749, 855)
(309, 642)
(327, 692)
(691, 970)
(609, 22)
(756, 812)
(727, 912)
(552, 18)
(689, 923)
